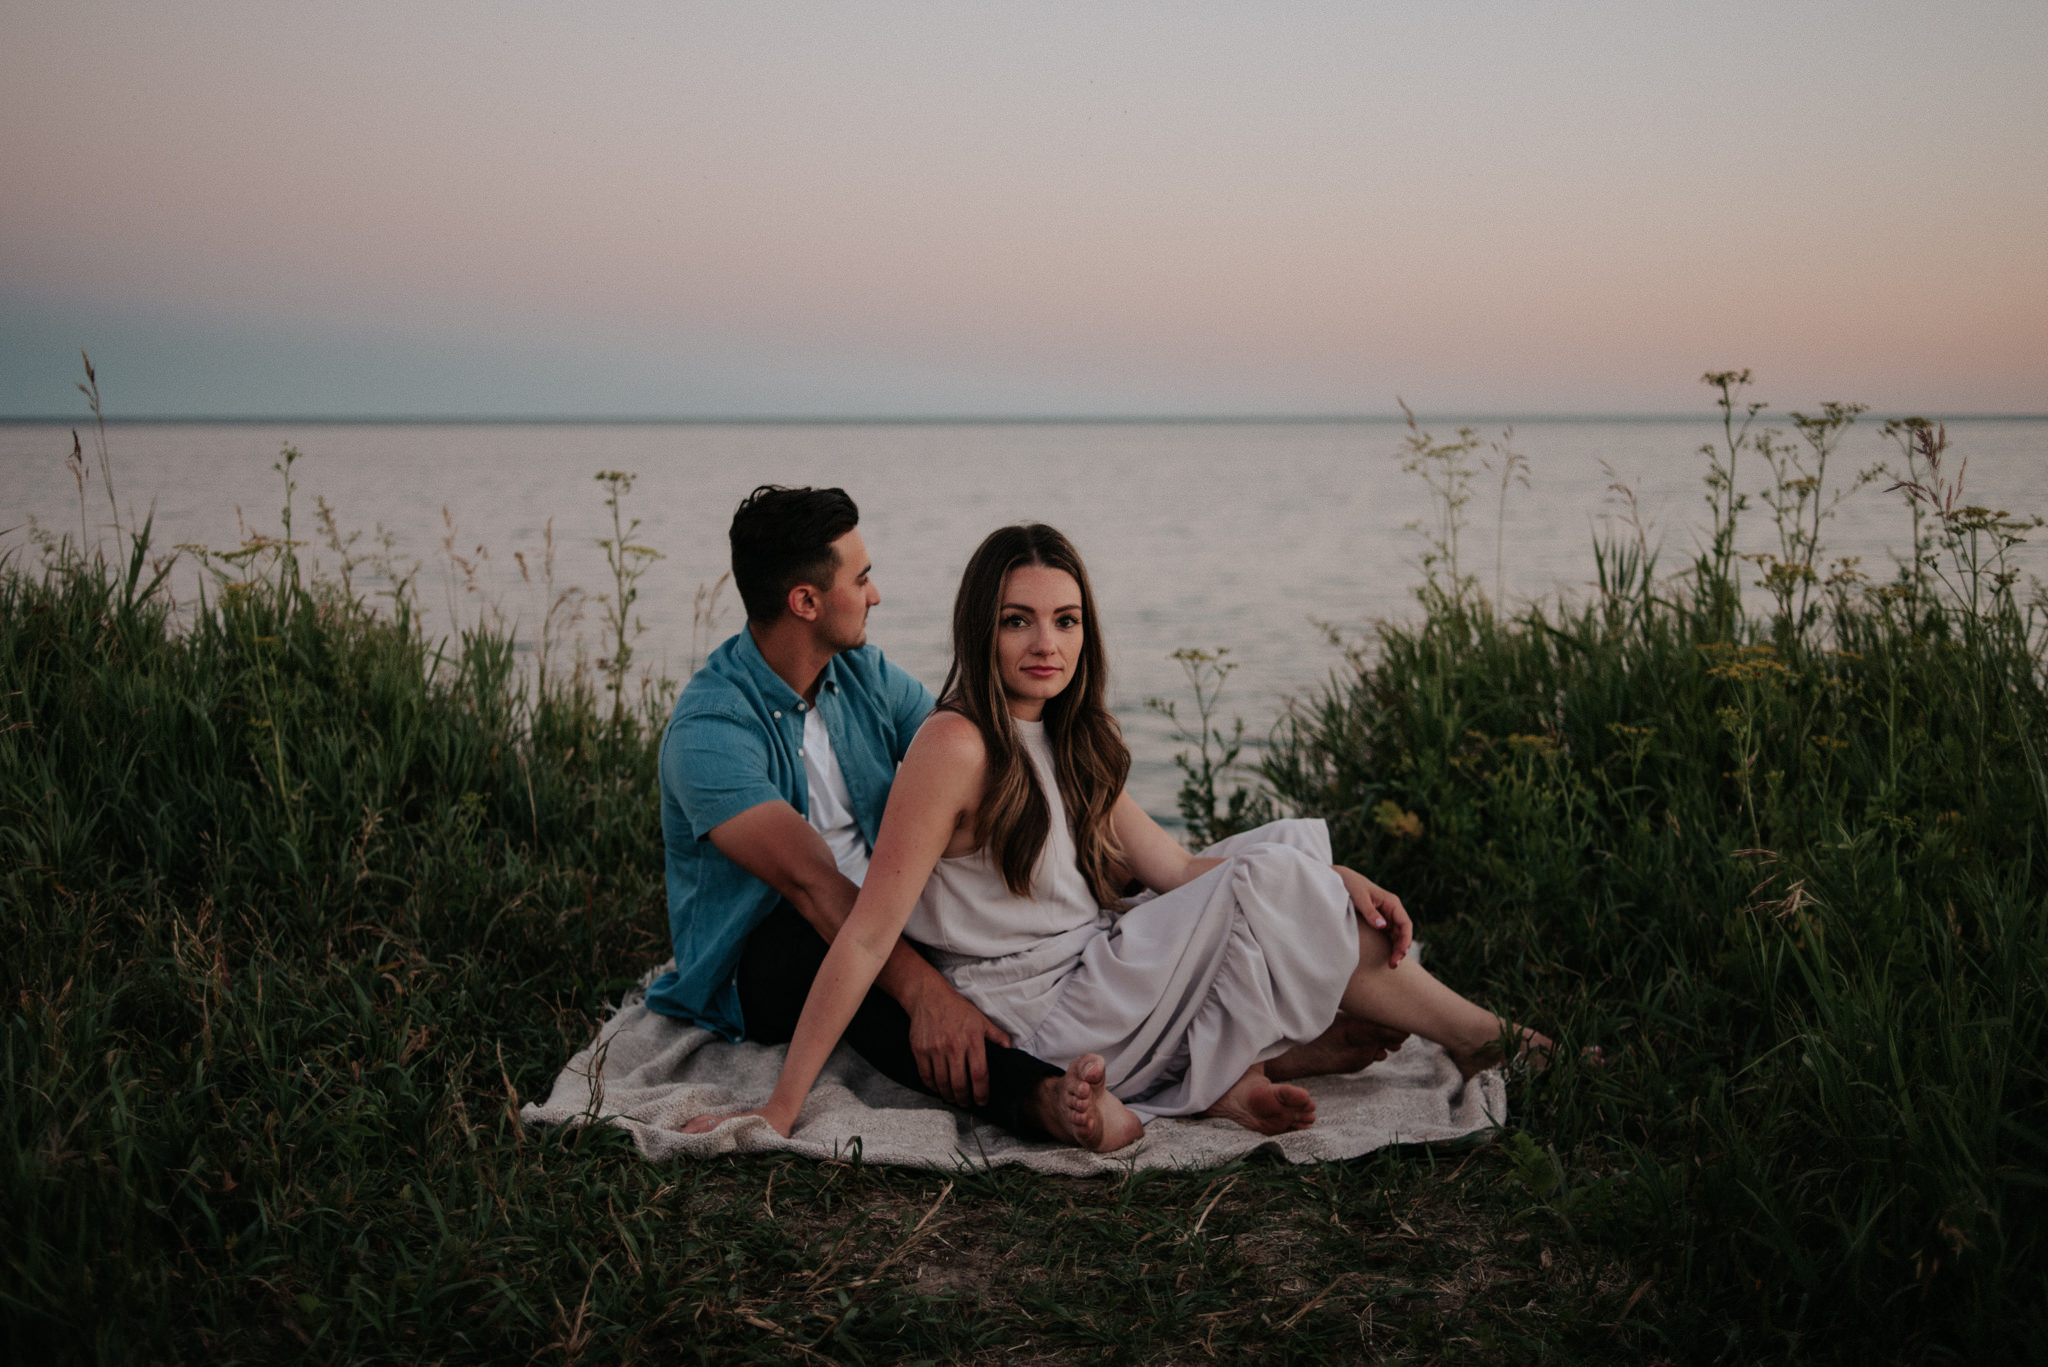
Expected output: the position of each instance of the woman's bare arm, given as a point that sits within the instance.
(937, 789)
(1153, 857)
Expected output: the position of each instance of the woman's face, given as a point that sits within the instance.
(1038, 637)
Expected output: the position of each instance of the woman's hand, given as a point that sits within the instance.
(705, 1124)
(1382, 911)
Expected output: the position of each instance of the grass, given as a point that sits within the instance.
(1787, 863)
(298, 905)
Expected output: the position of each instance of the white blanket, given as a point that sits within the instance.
(647, 1074)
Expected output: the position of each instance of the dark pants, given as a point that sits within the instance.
(784, 954)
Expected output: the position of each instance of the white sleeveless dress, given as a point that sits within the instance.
(1181, 992)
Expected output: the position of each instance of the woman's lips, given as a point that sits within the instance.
(1042, 671)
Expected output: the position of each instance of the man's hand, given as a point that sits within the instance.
(1382, 911)
(950, 1038)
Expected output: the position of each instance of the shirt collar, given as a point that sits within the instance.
(773, 686)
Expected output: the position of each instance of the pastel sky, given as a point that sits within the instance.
(1016, 209)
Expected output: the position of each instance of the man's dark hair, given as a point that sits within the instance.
(782, 538)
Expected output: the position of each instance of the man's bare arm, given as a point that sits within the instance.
(776, 845)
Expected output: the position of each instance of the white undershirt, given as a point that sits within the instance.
(831, 811)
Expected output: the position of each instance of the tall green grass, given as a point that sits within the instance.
(1786, 861)
(292, 895)
(298, 902)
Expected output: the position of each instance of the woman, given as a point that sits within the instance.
(1009, 837)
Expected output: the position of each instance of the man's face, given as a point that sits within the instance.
(842, 621)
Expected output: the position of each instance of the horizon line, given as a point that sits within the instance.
(919, 420)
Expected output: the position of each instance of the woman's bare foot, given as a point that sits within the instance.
(1078, 1108)
(1351, 1043)
(1258, 1103)
(1532, 1048)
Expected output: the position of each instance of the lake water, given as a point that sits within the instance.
(1243, 536)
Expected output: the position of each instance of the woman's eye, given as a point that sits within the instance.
(1069, 622)
(1013, 621)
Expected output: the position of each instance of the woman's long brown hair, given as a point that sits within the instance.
(1090, 758)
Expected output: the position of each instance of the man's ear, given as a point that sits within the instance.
(803, 602)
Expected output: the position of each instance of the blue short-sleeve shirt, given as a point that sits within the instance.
(733, 743)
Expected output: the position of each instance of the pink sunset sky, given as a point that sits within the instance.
(1020, 209)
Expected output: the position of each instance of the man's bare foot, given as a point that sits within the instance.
(1258, 1103)
(1351, 1043)
(1078, 1108)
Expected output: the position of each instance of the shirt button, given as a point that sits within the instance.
(778, 716)
(799, 707)
(799, 749)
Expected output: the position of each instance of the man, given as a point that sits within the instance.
(775, 769)
(774, 772)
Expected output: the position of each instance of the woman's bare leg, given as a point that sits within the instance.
(1408, 998)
